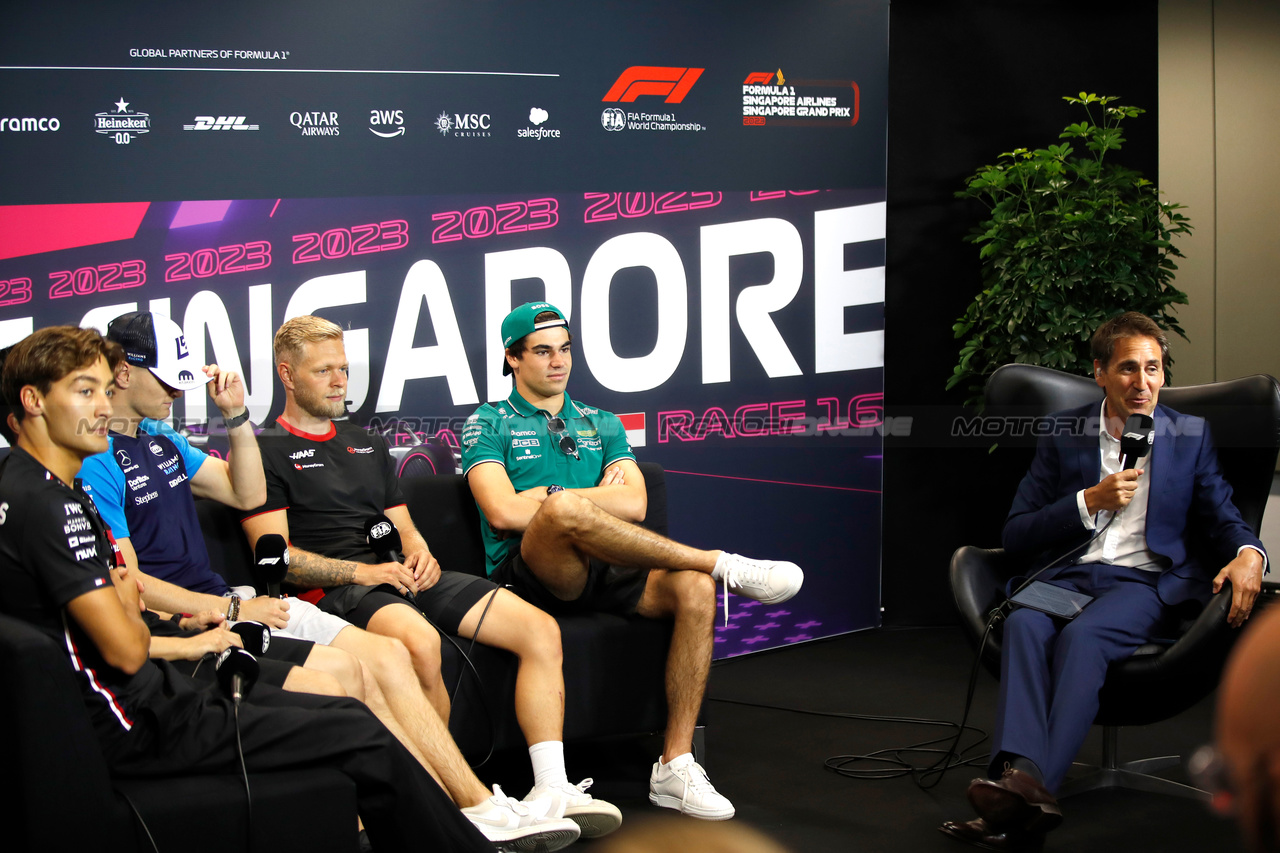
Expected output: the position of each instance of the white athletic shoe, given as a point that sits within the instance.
(512, 825)
(767, 581)
(593, 816)
(682, 784)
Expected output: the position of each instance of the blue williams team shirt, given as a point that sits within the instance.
(142, 489)
(514, 434)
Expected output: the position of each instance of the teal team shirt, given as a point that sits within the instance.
(514, 434)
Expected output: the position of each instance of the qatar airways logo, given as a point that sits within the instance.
(315, 123)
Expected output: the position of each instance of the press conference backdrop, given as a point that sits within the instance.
(701, 190)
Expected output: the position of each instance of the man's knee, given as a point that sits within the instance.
(564, 513)
(691, 593)
(423, 646)
(1027, 625)
(542, 636)
(342, 666)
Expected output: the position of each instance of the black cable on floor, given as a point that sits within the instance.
(898, 764)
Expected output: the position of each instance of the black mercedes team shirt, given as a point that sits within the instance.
(54, 548)
(330, 485)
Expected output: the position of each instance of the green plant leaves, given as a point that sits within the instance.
(1069, 242)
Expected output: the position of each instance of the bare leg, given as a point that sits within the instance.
(569, 529)
(388, 661)
(378, 705)
(405, 623)
(303, 680)
(534, 637)
(337, 664)
(689, 599)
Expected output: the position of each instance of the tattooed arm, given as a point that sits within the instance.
(314, 571)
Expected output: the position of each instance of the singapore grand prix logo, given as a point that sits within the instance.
(122, 124)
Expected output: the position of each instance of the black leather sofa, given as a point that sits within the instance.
(66, 801)
(613, 666)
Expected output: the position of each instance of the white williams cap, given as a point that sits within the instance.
(157, 343)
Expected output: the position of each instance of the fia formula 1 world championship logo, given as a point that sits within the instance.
(670, 83)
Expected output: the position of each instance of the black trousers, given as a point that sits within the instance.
(190, 728)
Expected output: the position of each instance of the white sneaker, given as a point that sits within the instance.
(767, 581)
(593, 816)
(682, 784)
(512, 825)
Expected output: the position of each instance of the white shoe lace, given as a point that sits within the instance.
(695, 782)
(503, 801)
(740, 572)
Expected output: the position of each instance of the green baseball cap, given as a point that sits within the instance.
(520, 322)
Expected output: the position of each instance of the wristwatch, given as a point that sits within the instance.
(553, 488)
(232, 423)
(233, 609)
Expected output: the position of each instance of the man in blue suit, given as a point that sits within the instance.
(1131, 530)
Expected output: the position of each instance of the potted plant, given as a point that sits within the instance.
(1072, 238)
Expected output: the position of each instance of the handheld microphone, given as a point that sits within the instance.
(237, 671)
(255, 636)
(383, 538)
(1135, 443)
(271, 562)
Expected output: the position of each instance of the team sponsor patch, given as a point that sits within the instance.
(308, 465)
(359, 449)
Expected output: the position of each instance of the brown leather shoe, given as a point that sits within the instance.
(1015, 801)
(979, 834)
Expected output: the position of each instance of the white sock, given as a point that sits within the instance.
(717, 574)
(548, 763)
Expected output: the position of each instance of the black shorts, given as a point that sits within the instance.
(609, 589)
(445, 603)
(274, 664)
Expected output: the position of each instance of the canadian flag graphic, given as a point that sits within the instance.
(633, 423)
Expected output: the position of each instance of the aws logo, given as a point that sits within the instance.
(386, 118)
(669, 83)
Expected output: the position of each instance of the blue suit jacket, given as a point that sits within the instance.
(1188, 495)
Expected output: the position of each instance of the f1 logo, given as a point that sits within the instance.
(761, 78)
(673, 83)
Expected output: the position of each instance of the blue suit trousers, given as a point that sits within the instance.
(1052, 670)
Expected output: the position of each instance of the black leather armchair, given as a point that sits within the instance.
(1160, 680)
